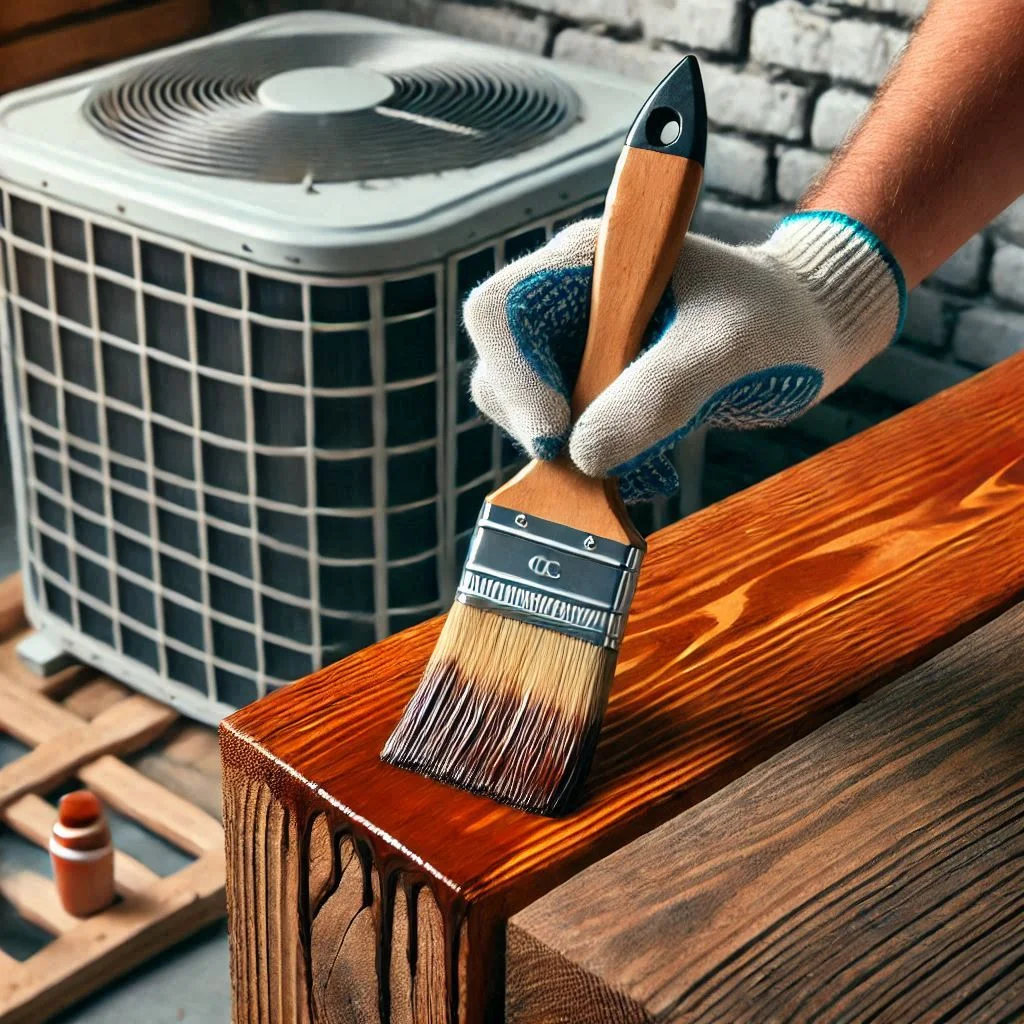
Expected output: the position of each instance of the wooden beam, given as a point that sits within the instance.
(101, 948)
(756, 619)
(35, 58)
(872, 871)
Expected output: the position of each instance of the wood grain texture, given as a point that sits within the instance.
(755, 620)
(873, 871)
(307, 947)
(47, 54)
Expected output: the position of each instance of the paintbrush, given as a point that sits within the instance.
(511, 701)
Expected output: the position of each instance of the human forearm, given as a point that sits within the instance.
(941, 151)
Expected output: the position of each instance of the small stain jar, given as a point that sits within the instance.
(82, 855)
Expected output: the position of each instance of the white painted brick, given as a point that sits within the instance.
(791, 36)
(797, 168)
(754, 103)
(706, 24)
(492, 25)
(633, 60)
(1010, 223)
(862, 51)
(409, 12)
(907, 376)
(1006, 275)
(734, 224)
(835, 113)
(925, 322)
(906, 8)
(965, 267)
(985, 335)
(738, 166)
(608, 12)
(816, 40)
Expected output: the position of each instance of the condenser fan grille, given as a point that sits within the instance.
(329, 108)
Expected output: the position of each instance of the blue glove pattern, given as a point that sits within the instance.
(746, 336)
(548, 315)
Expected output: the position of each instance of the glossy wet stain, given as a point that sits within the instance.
(755, 620)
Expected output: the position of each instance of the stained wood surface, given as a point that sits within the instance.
(36, 57)
(756, 619)
(872, 871)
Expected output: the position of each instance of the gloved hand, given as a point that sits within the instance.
(747, 336)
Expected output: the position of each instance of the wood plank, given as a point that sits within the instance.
(39, 720)
(35, 899)
(32, 719)
(128, 725)
(187, 761)
(872, 871)
(755, 620)
(32, 817)
(104, 947)
(153, 805)
(12, 610)
(16, 15)
(14, 669)
(94, 696)
(35, 58)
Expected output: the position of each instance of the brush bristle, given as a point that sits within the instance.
(506, 709)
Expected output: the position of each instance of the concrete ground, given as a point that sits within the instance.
(188, 983)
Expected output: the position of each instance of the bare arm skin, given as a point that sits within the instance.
(941, 151)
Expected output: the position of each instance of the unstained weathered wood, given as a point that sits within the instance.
(98, 715)
(755, 620)
(872, 871)
(304, 879)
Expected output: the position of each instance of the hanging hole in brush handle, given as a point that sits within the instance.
(647, 213)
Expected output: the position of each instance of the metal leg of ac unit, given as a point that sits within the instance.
(43, 656)
(689, 462)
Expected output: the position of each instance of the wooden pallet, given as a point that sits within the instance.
(84, 735)
(41, 39)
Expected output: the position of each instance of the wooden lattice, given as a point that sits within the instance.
(153, 912)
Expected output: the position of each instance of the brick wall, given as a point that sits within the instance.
(785, 81)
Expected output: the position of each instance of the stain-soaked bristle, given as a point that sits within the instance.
(506, 709)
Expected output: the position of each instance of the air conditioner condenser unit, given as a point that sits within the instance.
(234, 373)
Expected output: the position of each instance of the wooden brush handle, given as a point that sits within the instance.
(647, 213)
(646, 216)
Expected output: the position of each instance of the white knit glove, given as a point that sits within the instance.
(747, 336)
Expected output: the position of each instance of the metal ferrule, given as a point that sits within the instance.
(550, 575)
